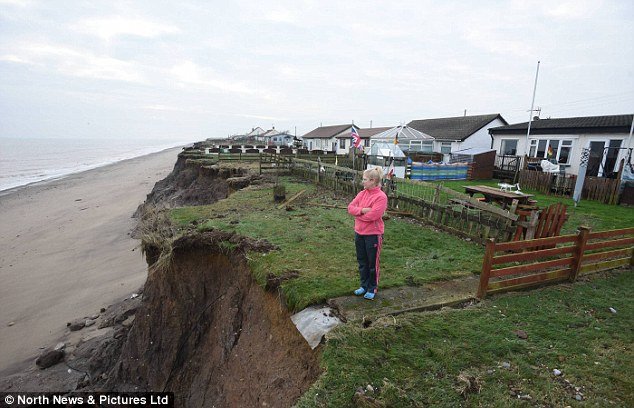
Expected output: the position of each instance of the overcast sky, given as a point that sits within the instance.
(189, 70)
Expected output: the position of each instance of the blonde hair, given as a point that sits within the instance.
(375, 173)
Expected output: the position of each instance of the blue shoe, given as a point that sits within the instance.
(359, 291)
(369, 296)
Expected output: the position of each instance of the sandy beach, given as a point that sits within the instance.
(66, 252)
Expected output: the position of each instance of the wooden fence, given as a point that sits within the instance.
(553, 259)
(442, 207)
(600, 189)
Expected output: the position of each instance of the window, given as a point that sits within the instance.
(564, 152)
(508, 147)
(366, 143)
(445, 147)
(541, 148)
(551, 149)
(427, 147)
(342, 144)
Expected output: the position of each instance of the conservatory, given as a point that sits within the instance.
(383, 154)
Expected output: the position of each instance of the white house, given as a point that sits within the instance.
(335, 138)
(459, 133)
(267, 136)
(282, 139)
(256, 131)
(563, 139)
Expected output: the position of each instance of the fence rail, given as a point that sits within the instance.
(442, 207)
(565, 258)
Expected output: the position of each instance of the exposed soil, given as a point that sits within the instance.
(207, 331)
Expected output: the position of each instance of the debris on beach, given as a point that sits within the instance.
(76, 324)
(49, 358)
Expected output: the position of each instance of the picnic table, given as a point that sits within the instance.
(496, 195)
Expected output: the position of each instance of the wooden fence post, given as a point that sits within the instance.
(486, 268)
(580, 246)
(435, 200)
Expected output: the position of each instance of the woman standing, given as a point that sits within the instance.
(368, 208)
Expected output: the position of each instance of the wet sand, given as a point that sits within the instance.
(66, 251)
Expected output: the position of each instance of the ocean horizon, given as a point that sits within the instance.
(25, 161)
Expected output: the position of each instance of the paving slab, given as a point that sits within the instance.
(394, 301)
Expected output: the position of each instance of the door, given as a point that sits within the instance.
(595, 159)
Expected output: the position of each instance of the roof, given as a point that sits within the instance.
(256, 131)
(583, 124)
(369, 132)
(270, 132)
(455, 128)
(405, 134)
(326, 132)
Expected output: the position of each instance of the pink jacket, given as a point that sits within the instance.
(369, 223)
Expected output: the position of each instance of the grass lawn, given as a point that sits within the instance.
(318, 243)
(414, 360)
(598, 216)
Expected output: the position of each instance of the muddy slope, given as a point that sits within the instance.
(208, 332)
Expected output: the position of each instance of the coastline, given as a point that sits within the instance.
(66, 251)
(11, 190)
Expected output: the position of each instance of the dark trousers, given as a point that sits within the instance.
(368, 255)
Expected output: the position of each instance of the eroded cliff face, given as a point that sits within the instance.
(191, 183)
(208, 332)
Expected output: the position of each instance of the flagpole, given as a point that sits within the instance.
(530, 115)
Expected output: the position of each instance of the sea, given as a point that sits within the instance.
(24, 161)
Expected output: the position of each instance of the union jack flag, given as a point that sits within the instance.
(356, 139)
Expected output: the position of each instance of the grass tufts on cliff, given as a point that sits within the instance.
(158, 233)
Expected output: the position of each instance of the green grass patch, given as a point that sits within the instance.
(415, 360)
(596, 215)
(318, 243)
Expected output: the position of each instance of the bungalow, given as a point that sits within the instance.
(283, 139)
(267, 136)
(459, 133)
(256, 131)
(564, 139)
(335, 138)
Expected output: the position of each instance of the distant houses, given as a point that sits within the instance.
(441, 135)
(563, 140)
(560, 140)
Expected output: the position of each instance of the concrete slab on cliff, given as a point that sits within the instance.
(393, 301)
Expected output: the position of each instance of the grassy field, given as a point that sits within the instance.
(598, 216)
(418, 360)
(317, 243)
